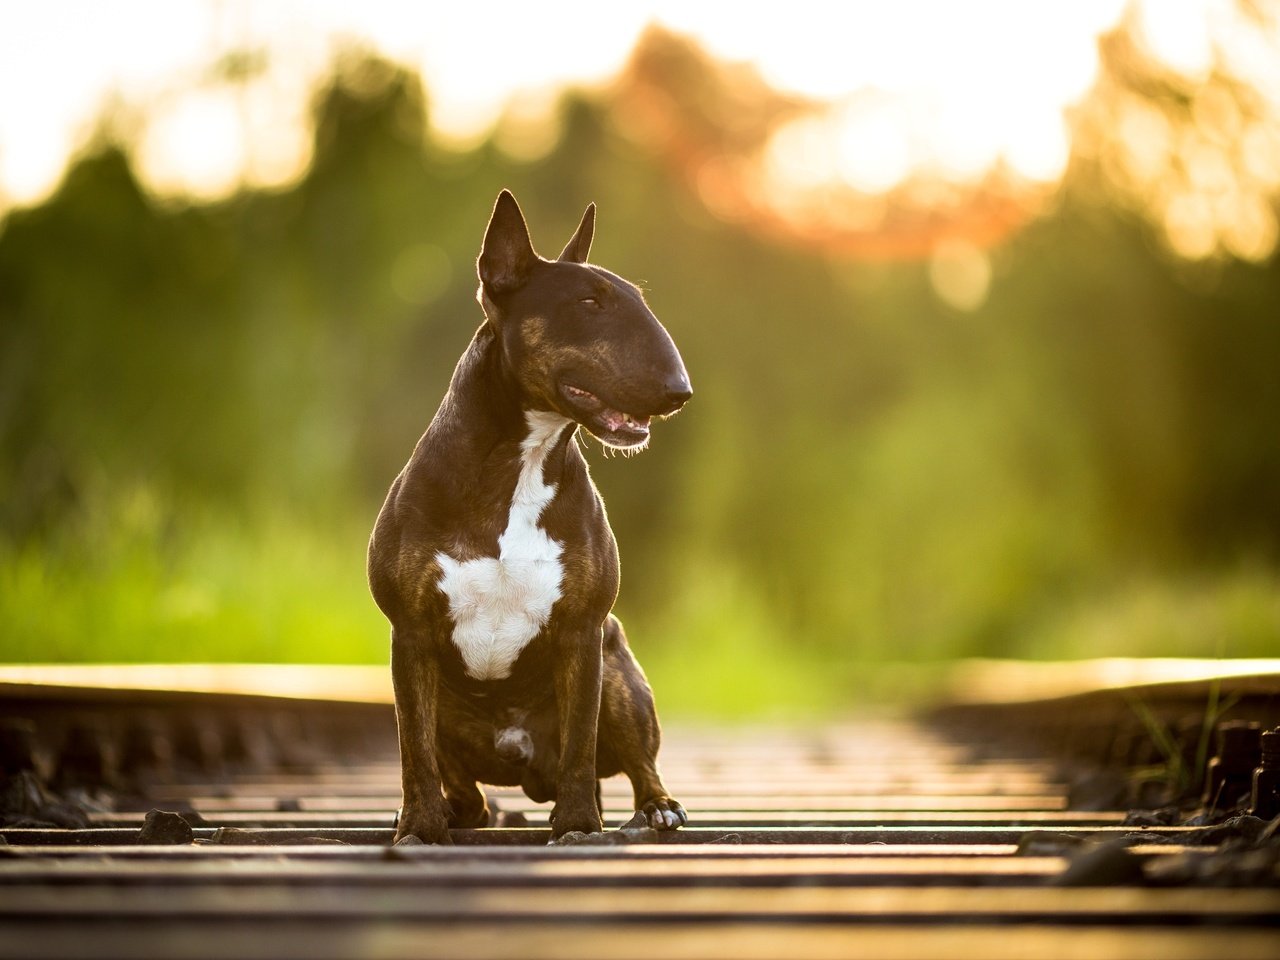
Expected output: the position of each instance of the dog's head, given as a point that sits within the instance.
(577, 339)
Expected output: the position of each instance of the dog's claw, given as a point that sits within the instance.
(664, 813)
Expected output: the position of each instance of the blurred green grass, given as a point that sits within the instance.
(131, 583)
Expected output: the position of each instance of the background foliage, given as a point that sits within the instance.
(201, 406)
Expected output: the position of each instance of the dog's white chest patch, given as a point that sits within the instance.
(499, 604)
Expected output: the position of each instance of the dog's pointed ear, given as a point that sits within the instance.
(507, 254)
(579, 245)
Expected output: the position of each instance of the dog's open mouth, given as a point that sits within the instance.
(612, 427)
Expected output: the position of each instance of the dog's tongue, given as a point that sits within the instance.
(612, 420)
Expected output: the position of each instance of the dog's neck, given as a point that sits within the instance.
(487, 408)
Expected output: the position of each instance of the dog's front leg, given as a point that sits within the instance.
(579, 669)
(415, 675)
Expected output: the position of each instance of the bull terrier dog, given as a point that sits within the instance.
(493, 559)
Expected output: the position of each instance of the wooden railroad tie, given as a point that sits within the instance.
(920, 837)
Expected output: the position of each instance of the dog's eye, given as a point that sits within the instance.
(590, 301)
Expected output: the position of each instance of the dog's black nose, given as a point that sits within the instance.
(677, 393)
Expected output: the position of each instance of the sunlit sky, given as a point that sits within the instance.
(951, 88)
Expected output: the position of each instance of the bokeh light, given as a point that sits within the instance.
(1186, 124)
(947, 110)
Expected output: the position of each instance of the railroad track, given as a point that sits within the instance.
(931, 837)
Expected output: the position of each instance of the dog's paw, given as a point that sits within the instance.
(426, 827)
(663, 813)
(566, 820)
(471, 818)
(437, 836)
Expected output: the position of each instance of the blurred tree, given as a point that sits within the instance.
(865, 471)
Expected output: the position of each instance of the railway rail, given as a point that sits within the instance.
(247, 812)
